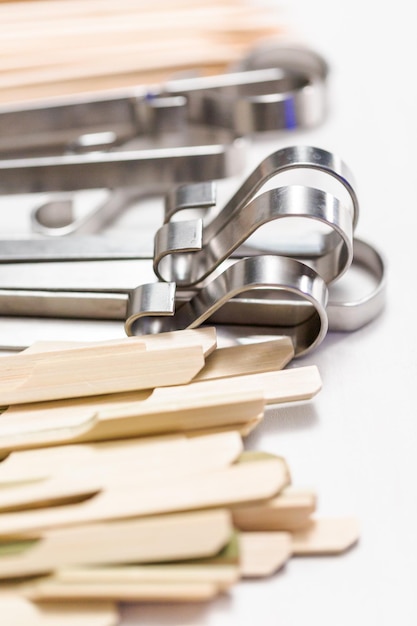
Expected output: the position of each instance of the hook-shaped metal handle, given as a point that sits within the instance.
(241, 215)
(284, 160)
(296, 297)
(184, 255)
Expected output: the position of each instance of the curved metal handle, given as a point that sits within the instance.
(298, 307)
(184, 255)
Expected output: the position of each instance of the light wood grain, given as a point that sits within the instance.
(110, 459)
(326, 536)
(202, 570)
(134, 44)
(247, 359)
(126, 468)
(165, 538)
(19, 611)
(127, 415)
(257, 478)
(289, 511)
(199, 405)
(205, 337)
(189, 591)
(90, 371)
(264, 553)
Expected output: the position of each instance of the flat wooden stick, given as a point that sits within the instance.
(91, 371)
(110, 458)
(119, 416)
(264, 553)
(116, 471)
(165, 538)
(265, 356)
(289, 511)
(205, 404)
(189, 591)
(206, 337)
(326, 536)
(258, 478)
(222, 574)
(243, 429)
(18, 611)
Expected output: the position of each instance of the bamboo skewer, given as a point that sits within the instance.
(264, 553)
(202, 570)
(166, 538)
(122, 45)
(204, 337)
(109, 459)
(197, 456)
(91, 371)
(259, 479)
(289, 511)
(125, 592)
(199, 405)
(237, 360)
(326, 536)
(247, 359)
(16, 611)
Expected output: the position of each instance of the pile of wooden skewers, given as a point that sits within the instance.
(124, 475)
(55, 48)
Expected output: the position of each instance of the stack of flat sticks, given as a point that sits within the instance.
(71, 46)
(124, 475)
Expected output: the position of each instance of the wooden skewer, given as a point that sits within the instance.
(38, 9)
(16, 611)
(256, 479)
(119, 46)
(265, 356)
(90, 17)
(91, 371)
(119, 416)
(203, 570)
(291, 510)
(189, 591)
(197, 455)
(326, 536)
(199, 405)
(165, 538)
(110, 458)
(247, 359)
(206, 337)
(242, 429)
(263, 553)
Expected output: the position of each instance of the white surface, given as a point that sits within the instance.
(356, 443)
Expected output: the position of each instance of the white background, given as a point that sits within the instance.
(356, 443)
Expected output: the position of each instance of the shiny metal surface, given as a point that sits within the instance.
(184, 254)
(352, 315)
(262, 93)
(55, 217)
(305, 106)
(72, 290)
(283, 160)
(149, 170)
(306, 325)
(194, 195)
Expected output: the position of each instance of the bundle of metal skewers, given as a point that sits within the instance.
(124, 475)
